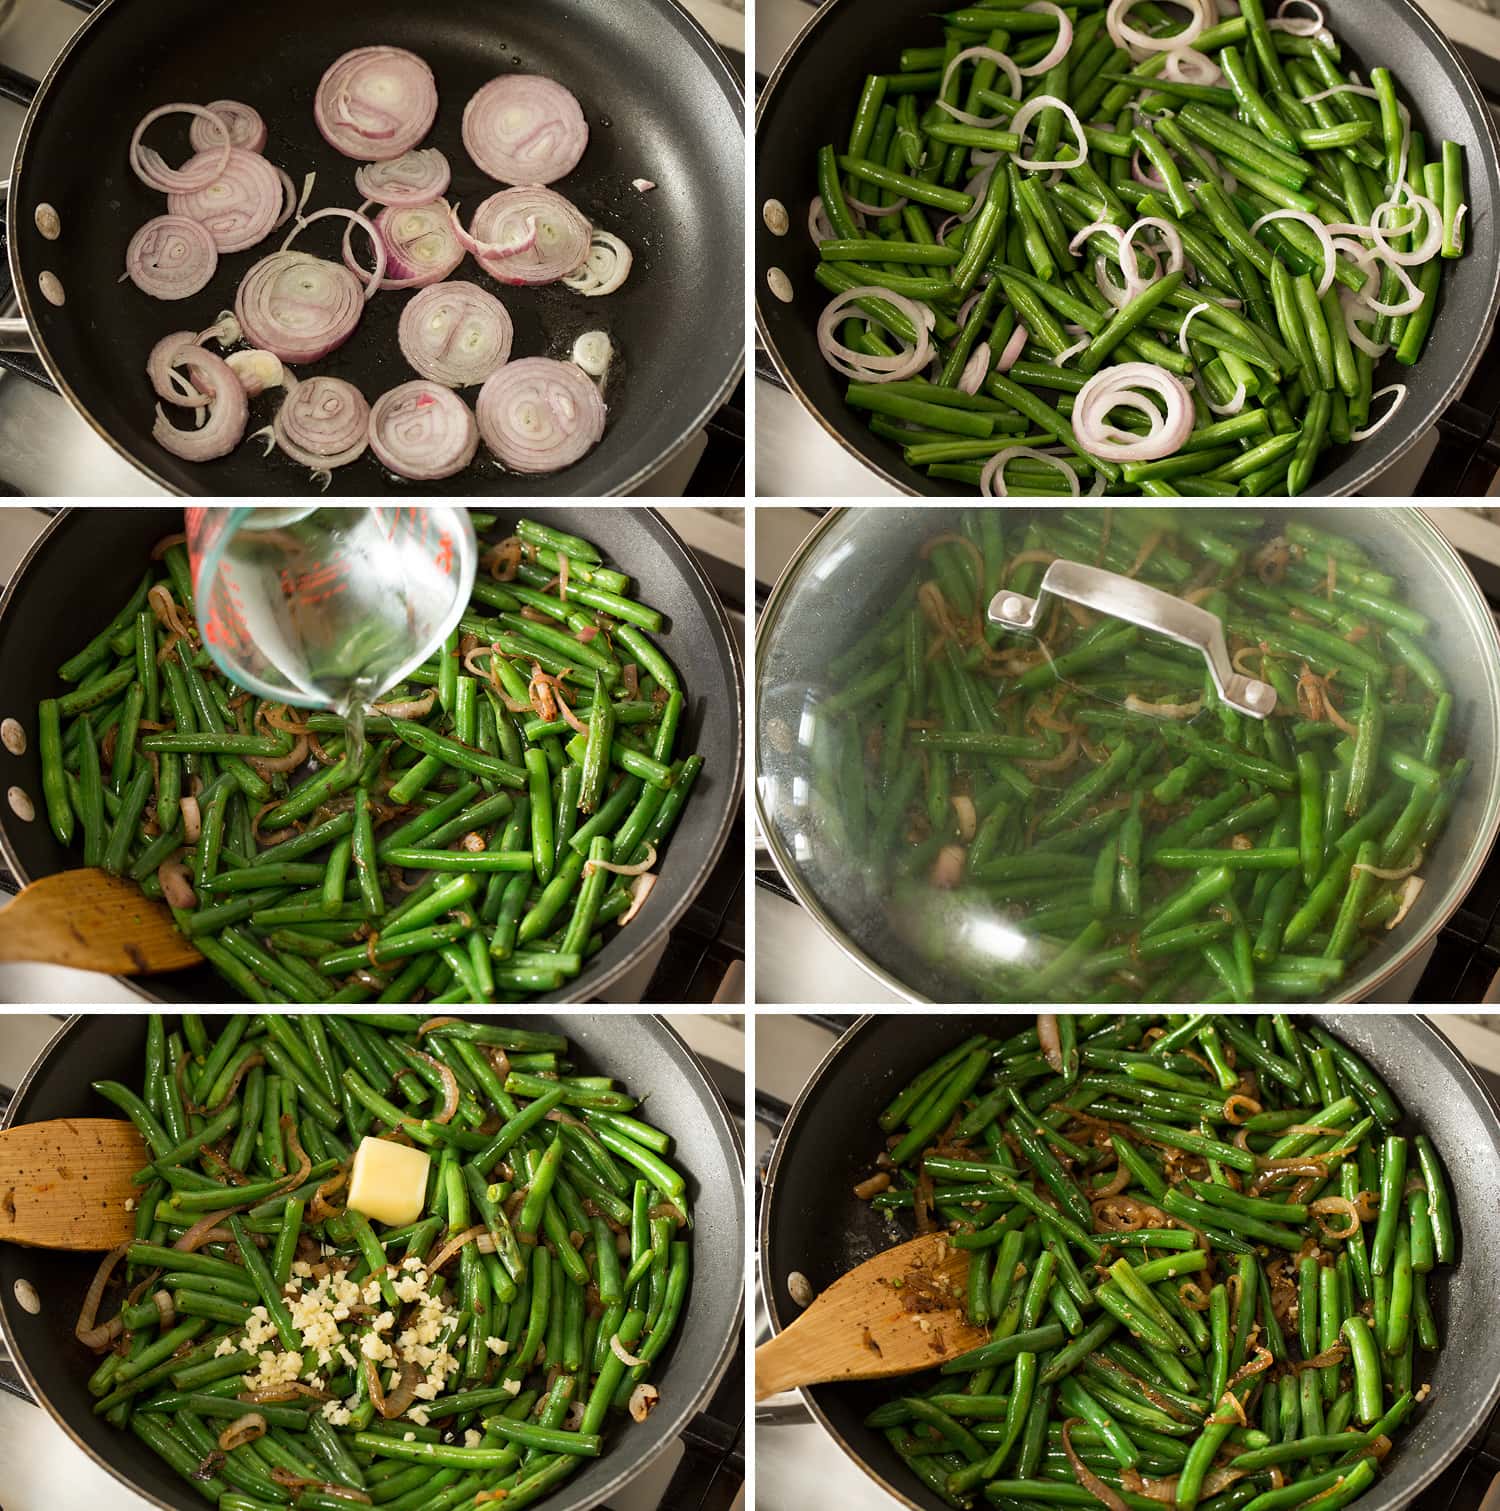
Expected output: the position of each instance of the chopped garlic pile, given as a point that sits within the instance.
(323, 1312)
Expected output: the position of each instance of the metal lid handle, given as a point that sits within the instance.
(1140, 604)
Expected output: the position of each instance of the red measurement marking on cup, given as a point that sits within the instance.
(445, 554)
(317, 584)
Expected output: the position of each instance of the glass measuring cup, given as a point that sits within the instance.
(328, 606)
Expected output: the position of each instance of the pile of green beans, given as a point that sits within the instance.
(575, 1251)
(1221, 155)
(1164, 1301)
(508, 820)
(1132, 838)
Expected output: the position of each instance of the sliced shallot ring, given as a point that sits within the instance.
(1117, 386)
(415, 178)
(537, 415)
(456, 333)
(151, 168)
(1186, 65)
(1432, 237)
(843, 359)
(1330, 255)
(992, 479)
(370, 280)
(323, 423)
(165, 383)
(241, 206)
(555, 243)
(1022, 119)
(1059, 49)
(299, 306)
(1013, 349)
(1353, 307)
(976, 369)
(422, 431)
(604, 269)
(422, 246)
(817, 221)
(864, 207)
(524, 128)
(226, 415)
(1171, 237)
(376, 103)
(1132, 40)
(171, 257)
(1399, 389)
(640, 890)
(247, 128)
(623, 1354)
(638, 869)
(989, 55)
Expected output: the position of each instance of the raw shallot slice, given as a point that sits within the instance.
(423, 431)
(523, 128)
(376, 103)
(247, 129)
(241, 206)
(528, 236)
(605, 269)
(421, 245)
(537, 415)
(299, 306)
(226, 414)
(323, 423)
(853, 364)
(1120, 387)
(415, 178)
(151, 167)
(171, 257)
(456, 333)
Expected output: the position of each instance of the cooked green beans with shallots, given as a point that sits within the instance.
(504, 814)
(1202, 1248)
(384, 1261)
(1075, 815)
(1099, 248)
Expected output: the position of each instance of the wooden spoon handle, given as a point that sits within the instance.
(783, 1363)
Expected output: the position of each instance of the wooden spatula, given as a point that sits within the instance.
(94, 922)
(895, 1314)
(65, 1184)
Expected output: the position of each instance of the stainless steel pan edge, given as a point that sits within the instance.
(1356, 471)
(1440, 552)
(1471, 1157)
(674, 1414)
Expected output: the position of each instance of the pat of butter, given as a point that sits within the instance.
(389, 1182)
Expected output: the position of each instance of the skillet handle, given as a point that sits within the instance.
(17, 350)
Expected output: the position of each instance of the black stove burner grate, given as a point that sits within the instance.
(711, 1473)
